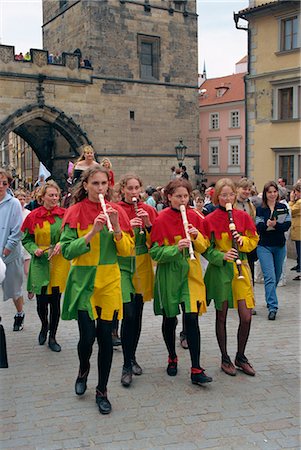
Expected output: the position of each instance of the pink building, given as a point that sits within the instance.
(222, 126)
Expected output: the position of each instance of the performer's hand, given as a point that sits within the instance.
(6, 251)
(113, 214)
(193, 231)
(99, 223)
(39, 252)
(136, 222)
(231, 255)
(141, 213)
(55, 251)
(238, 238)
(183, 243)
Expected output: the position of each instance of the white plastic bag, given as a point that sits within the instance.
(2, 270)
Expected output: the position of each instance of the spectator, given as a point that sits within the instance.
(19, 57)
(173, 172)
(108, 165)
(27, 56)
(295, 206)
(10, 247)
(150, 200)
(184, 173)
(208, 204)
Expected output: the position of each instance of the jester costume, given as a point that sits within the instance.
(221, 277)
(47, 277)
(178, 281)
(93, 283)
(178, 278)
(42, 229)
(139, 265)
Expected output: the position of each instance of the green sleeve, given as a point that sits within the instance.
(72, 245)
(214, 256)
(165, 254)
(28, 242)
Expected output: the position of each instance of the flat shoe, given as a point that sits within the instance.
(126, 377)
(297, 278)
(81, 383)
(272, 315)
(54, 346)
(43, 336)
(103, 403)
(228, 367)
(199, 377)
(172, 368)
(243, 364)
(136, 369)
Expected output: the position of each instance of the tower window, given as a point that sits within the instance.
(63, 4)
(132, 115)
(149, 55)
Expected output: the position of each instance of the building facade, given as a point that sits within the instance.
(222, 127)
(273, 92)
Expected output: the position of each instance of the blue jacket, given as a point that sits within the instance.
(10, 227)
(275, 237)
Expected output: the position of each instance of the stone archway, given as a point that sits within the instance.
(54, 137)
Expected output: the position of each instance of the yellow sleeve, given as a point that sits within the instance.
(126, 245)
(295, 208)
(250, 242)
(200, 243)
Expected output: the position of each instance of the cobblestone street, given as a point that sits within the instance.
(39, 409)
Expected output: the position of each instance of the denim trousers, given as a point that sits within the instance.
(271, 261)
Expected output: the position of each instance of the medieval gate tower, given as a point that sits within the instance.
(136, 101)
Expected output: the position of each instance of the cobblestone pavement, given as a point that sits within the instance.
(39, 409)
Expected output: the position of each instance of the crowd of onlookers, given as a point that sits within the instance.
(55, 58)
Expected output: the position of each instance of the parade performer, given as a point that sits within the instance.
(228, 278)
(137, 273)
(93, 293)
(48, 270)
(176, 243)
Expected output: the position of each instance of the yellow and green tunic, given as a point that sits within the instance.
(137, 273)
(93, 283)
(221, 277)
(42, 229)
(178, 278)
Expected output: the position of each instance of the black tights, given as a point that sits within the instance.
(131, 328)
(193, 336)
(87, 333)
(245, 317)
(53, 300)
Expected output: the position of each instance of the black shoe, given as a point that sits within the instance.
(294, 268)
(103, 403)
(199, 377)
(81, 382)
(136, 369)
(126, 377)
(53, 345)
(18, 322)
(272, 315)
(43, 336)
(172, 368)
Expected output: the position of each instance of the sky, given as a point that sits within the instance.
(221, 45)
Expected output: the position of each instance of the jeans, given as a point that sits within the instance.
(298, 248)
(271, 261)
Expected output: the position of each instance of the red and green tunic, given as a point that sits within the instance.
(42, 229)
(178, 279)
(221, 277)
(93, 283)
(137, 270)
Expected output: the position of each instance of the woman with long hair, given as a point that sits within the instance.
(84, 162)
(223, 281)
(48, 269)
(137, 273)
(179, 280)
(272, 221)
(93, 292)
(105, 162)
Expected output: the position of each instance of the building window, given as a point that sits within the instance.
(234, 155)
(286, 168)
(214, 121)
(234, 119)
(149, 55)
(287, 98)
(289, 33)
(179, 5)
(288, 164)
(214, 155)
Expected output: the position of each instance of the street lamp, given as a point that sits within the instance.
(180, 152)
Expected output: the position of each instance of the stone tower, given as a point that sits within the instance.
(144, 53)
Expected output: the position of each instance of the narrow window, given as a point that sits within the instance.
(149, 55)
(289, 33)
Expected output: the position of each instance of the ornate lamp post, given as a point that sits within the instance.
(180, 152)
